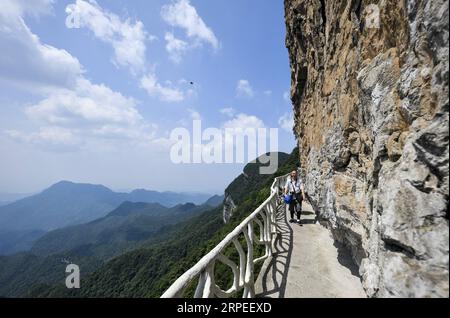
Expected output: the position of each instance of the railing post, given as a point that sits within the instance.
(249, 285)
(273, 206)
(242, 262)
(209, 282)
(268, 231)
(200, 285)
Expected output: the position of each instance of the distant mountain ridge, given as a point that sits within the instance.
(166, 198)
(67, 203)
(144, 269)
(215, 200)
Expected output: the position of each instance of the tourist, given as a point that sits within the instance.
(294, 188)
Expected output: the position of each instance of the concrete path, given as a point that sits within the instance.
(308, 263)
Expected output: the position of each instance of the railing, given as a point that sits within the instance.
(243, 274)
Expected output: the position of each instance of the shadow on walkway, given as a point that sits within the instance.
(277, 270)
(307, 262)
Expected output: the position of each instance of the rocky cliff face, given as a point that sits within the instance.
(371, 111)
(228, 208)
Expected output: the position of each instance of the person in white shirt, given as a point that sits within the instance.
(294, 187)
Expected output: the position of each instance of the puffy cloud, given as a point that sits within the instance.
(244, 89)
(182, 14)
(165, 93)
(25, 61)
(128, 40)
(126, 37)
(244, 121)
(89, 113)
(21, 7)
(72, 111)
(86, 104)
(286, 122)
(175, 47)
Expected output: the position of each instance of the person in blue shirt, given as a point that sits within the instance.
(294, 187)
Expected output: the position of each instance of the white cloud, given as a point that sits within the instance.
(244, 89)
(87, 103)
(229, 111)
(175, 47)
(165, 93)
(268, 92)
(182, 14)
(287, 96)
(72, 111)
(127, 38)
(286, 122)
(244, 121)
(71, 119)
(25, 62)
(21, 7)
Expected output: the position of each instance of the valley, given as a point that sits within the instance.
(120, 254)
(68, 204)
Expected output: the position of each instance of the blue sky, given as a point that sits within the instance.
(94, 99)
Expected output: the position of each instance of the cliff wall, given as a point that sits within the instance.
(370, 95)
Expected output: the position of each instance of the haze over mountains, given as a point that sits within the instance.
(65, 204)
(89, 245)
(137, 249)
(121, 229)
(7, 198)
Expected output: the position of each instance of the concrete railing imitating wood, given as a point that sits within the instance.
(243, 273)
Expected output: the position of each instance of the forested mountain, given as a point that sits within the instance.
(148, 271)
(124, 228)
(250, 179)
(90, 245)
(62, 204)
(215, 200)
(15, 241)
